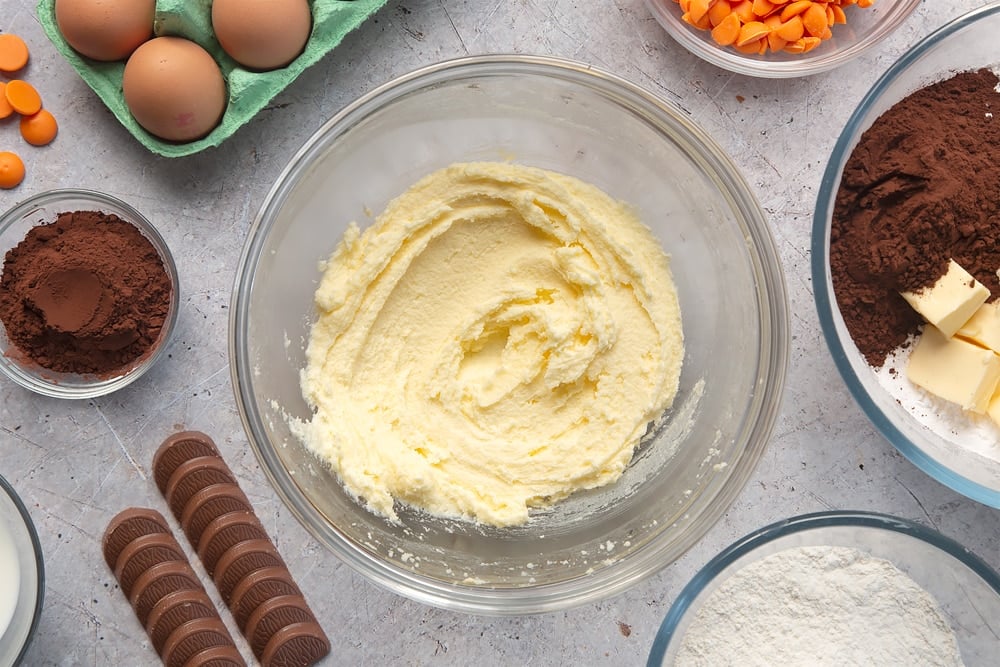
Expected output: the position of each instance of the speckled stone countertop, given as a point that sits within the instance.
(76, 464)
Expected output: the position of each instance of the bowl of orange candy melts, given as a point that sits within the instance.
(780, 38)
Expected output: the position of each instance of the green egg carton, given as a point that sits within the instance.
(249, 91)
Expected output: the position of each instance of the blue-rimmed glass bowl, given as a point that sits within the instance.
(965, 588)
(967, 43)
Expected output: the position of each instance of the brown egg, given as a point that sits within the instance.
(262, 34)
(105, 29)
(174, 89)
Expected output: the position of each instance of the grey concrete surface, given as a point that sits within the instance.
(76, 464)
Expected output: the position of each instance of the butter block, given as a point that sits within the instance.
(983, 328)
(954, 369)
(951, 301)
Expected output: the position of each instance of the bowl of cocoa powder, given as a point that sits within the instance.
(906, 254)
(88, 294)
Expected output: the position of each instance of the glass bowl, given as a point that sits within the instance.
(22, 577)
(966, 43)
(965, 588)
(44, 208)
(567, 117)
(864, 29)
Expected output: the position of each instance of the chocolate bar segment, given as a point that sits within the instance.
(225, 532)
(208, 504)
(296, 644)
(217, 656)
(128, 525)
(174, 610)
(192, 638)
(143, 553)
(191, 477)
(240, 560)
(177, 449)
(256, 588)
(271, 616)
(157, 582)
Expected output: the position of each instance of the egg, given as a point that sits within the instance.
(262, 34)
(105, 29)
(174, 89)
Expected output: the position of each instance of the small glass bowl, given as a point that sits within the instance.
(966, 589)
(864, 29)
(578, 120)
(44, 208)
(967, 43)
(18, 542)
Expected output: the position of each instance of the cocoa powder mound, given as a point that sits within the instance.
(919, 189)
(85, 294)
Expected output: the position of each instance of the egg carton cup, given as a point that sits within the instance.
(248, 91)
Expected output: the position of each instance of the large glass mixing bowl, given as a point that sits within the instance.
(571, 118)
(967, 43)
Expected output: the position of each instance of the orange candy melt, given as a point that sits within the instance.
(11, 170)
(38, 126)
(23, 97)
(13, 53)
(759, 26)
(5, 108)
(39, 129)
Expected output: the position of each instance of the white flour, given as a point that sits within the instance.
(815, 606)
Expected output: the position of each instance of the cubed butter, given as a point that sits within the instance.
(954, 369)
(983, 328)
(951, 301)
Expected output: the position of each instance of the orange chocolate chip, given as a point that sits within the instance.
(23, 97)
(13, 53)
(757, 26)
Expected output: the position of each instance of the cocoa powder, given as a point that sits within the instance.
(85, 294)
(920, 188)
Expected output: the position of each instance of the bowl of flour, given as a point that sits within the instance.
(836, 588)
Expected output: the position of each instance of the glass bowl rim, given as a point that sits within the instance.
(772, 302)
(802, 523)
(36, 545)
(739, 63)
(37, 383)
(822, 278)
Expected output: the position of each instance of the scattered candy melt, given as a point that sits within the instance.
(38, 126)
(5, 108)
(23, 97)
(11, 170)
(13, 53)
(39, 129)
(759, 26)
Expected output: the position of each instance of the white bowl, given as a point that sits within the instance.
(22, 577)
